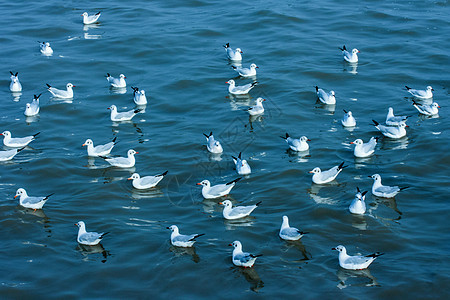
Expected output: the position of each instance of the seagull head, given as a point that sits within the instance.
(354, 51)
(204, 183)
(20, 192)
(429, 88)
(85, 14)
(131, 152)
(80, 224)
(239, 50)
(134, 176)
(435, 105)
(122, 76)
(304, 139)
(316, 170)
(376, 177)
(339, 248)
(230, 82)
(357, 142)
(6, 133)
(236, 244)
(112, 108)
(253, 66)
(226, 203)
(88, 142)
(173, 228)
(69, 85)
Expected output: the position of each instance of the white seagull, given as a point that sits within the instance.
(88, 238)
(350, 57)
(181, 240)
(242, 259)
(393, 132)
(30, 202)
(32, 109)
(428, 110)
(321, 177)
(384, 191)
(348, 120)
(63, 94)
(258, 108)
(357, 262)
(9, 154)
(15, 85)
(300, 144)
(242, 166)
(218, 190)
(212, 144)
(364, 149)
(122, 162)
(358, 206)
(324, 97)
(122, 116)
(146, 182)
(393, 120)
(290, 233)
(45, 48)
(240, 90)
(139, 96)
(246, 72)
(99, 150)
(237, 212)
(234, 55)
(421, 94)
(9, 141)
(116, 82)
(90, 19)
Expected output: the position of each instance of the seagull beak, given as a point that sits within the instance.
(230, 244)
(257, 67)
(221, 203)
(351, 142)
(406, 126)
(226, 81)
(359, 51)
(15, 196)
(333, 248)
(198, 183)
(75, 224)
(308, 140)
(369, 176)
(439, 106)
(129, 178)
(83, 145)
(109, 108)
(73, 85)
(137, 152)
(310, 171)
(167, 227)
(264, 99)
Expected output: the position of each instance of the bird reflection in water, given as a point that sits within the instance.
(251, 276)
(350, 67)
(91, 250)
(388, 202)
(298, 245)
(238, 223)
(356, 277)
(181, 251)
(298, 156)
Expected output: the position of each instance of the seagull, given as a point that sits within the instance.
(384, 191)
(99, 150)
(421, 94)
(9, 141)
(324, 97)
(122, 162)
(88, 238)
(358, 206)
(181, 240)
(233, 54)
(246, 72)
(348, 120)
(15, 85)
(290, 233)
(45, 48)
(212, 144)
(258, 108)
(393, 120)
(428, 110)
(393, 132)
(30, 202)
(32, 109)
(63, 94)
(116, 82)
(146, 182)
(242, 259)
(356, 262)
(321, 177)
(218, 190)
(350, 57)
(122, 116)
(240, 90)
(9, 154)
(364, 150)
(90, 19)
(139, 96)
(300, 144)
(237, 212)
(242, 166)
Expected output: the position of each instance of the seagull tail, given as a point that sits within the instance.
(302, 232)
(114, 140)
(375, 255)
(36, 134)
(254, 83)
(46, 197)
(404, 188)
(257, 204)
(255, 256)
(18, 150)
(344, 110)
(317, 88)
(48, 85)
(343, 48)
(407, 87)
(227, 45)
(104, 234)
(236, 180)
(375, 123)
(196, 236)
(341, 166)
(163, 174)
(104, 157)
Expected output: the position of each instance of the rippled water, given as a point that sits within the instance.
(173, 50)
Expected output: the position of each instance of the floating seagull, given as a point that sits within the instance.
(146, 182)
(384, 191)
(237, 212)
(88, 238)
(350, 57)
(30, 202)
(45, 48)
(63, 94)
(218, 190)
(393, 120)
(9, 141)
(393, 132)
(321, 177)
(181, 240)
(9, 154)
(122, 162)
(300, 144)
(421, 94)
(240, 90)
(258, 108)
(122, 116)
(90, 19)
(212, 144)
(139, 96)
(246, 72)
(428, 110)
(99, 150)
(15, 85)
(32, 109)
(242, 166)
(116, 82)
(242, 259)
(364, 150)
(324, 97)
(233, 54)
(356, 262)
(348, 120)
(290, 233)
(358, 206)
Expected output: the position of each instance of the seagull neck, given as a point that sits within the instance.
(285, 223)
(237, 249)
(377, 183)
